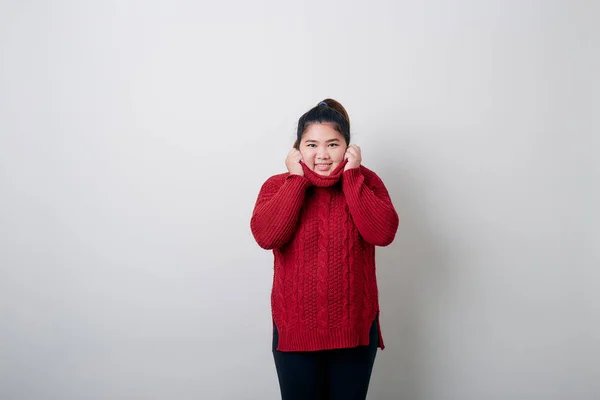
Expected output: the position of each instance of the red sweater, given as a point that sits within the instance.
(323, 231)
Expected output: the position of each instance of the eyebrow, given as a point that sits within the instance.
(327, 141)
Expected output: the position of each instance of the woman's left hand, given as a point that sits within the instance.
(354, 157)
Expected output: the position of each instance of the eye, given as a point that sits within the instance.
(311, 145)
(333, 145)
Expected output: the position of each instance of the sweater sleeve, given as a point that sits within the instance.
(277, 209)
(370, 206)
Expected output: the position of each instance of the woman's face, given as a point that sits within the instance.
(322, 148)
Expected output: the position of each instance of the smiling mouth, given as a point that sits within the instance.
(323, 167)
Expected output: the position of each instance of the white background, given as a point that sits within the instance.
(135, 135)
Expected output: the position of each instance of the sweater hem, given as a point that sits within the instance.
(326, 339)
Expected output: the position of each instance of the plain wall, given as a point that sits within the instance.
(135, 135)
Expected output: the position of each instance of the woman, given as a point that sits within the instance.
(323, 219)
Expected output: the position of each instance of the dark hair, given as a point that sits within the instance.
(330, 111)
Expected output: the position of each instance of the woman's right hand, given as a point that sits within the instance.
(292, 162)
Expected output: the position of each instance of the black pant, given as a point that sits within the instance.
(341, 374)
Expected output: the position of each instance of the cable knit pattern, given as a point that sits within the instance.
(323, 231)
(338, 268)
(323, 258)
(348, 277)
(277, 294)
(353, 294)
(300, 276)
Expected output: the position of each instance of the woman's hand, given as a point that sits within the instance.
(292, 162)
(354, 157)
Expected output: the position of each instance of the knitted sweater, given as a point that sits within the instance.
(323, 231)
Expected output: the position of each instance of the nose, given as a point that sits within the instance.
(322, 153)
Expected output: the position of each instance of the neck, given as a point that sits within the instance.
(324, 180)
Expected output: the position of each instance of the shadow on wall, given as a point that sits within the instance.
(410, 272)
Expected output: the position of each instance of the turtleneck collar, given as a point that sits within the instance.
(324, 180)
